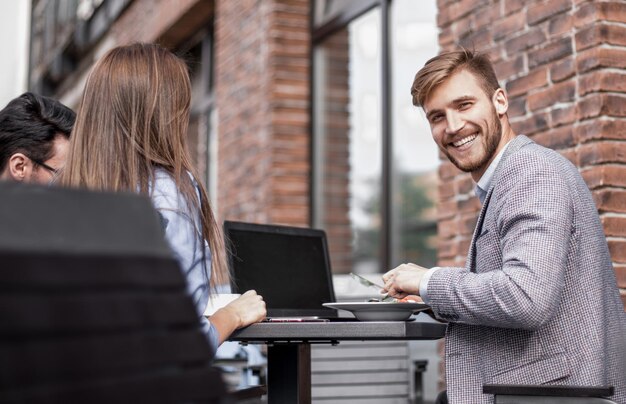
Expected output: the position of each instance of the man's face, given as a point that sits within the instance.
(44, 175)
(21, 167)
(465, 122)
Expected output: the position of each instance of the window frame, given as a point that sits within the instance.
(319, 33)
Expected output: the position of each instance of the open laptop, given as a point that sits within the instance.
(288, 266)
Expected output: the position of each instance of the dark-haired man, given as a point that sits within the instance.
(34, 133)
(537, 302)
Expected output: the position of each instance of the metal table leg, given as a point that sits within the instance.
(289, 373)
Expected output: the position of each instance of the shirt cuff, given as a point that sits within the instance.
(424, 283)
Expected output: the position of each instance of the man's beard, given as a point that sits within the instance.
(492, 142)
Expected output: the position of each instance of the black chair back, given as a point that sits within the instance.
(93, 307)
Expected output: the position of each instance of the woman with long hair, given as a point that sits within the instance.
(130, 135)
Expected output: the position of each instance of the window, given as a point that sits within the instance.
(202, 139)
(374, 161)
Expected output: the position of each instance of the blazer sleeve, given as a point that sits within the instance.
(532, 222)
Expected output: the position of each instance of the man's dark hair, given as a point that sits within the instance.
(29, 124)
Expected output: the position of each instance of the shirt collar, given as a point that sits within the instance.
(483, 184)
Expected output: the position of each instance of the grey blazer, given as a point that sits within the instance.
(537, 302)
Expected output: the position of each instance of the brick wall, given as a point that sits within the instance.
(335, 92)
(262, 93)
(563, 64)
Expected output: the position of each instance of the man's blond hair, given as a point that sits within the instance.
(441, 67)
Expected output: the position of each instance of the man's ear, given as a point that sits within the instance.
(20, 167)
(500, 101)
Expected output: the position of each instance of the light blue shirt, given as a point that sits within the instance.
(481, 189)
(181, 230)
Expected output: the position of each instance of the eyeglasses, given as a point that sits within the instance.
(44, 165)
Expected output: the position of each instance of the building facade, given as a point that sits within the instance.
(301, 109)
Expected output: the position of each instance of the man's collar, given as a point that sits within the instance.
(483, 184)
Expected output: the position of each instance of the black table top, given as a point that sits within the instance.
(339, 331)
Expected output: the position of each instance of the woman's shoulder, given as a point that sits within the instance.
(163, 182)
(165, 192)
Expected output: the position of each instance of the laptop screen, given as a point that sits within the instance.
(288, 266)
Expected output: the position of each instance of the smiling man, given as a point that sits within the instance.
(537, 302)
(34, 133)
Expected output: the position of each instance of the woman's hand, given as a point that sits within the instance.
(247, 309)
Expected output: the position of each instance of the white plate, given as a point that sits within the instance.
(379, 311)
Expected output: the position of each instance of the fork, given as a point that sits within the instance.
(366, 282)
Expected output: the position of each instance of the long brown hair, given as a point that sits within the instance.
(133, 118)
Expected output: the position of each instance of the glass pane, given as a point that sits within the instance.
(326, 10)
(348, 143)
(415, 156)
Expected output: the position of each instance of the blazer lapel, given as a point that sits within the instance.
(517, 143)
(471, 255)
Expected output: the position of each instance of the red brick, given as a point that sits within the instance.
(445, 191)
(614, 226)
(511, 6)
(563, 115)
(618, 250)
(605, 176)
(609, 200)
(467, 224)
(571, 155)
(508, 25)
(446, 209)
(527, 40)
(446, 38)
(509, 68)
(602, 104)
(547, 9)
(464, 245)
(605, 152)
(464, 185)
(602, 128)
(553, 51)
(533, 80)
(599, 34)
(595, 58)
(448, 171)
(461, 8)
(477, 39)
(468, 205)
(264, 130)
(447, 228)
(446, 262)
(593, 12)
(561, 92)
(517, 107)
(602, 81)
(442, 3)
(560, 25)
(461, 27)
(562, 70)
(485, 17)
(447, 249)
(443, 17)
(527, 126)
(556, 139)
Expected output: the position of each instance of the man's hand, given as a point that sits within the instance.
(404, 280)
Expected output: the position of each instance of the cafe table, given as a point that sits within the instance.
(289, 348)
